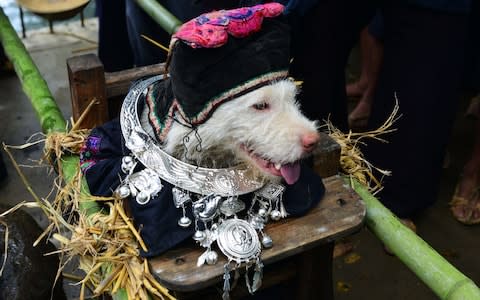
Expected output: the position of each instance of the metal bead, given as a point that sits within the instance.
(127, 164)
(123, 191)
(212, 258)
(267, 241)
(142, 198)
(275, 215)
(199, 235)
(184, 222)
(127, 160)
(262, 212)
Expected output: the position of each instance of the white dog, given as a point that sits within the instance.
(263, 128)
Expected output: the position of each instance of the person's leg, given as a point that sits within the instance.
(465, 204)
(356, 88)
(322, 40)
(422, 67)
(114, 48)
(374, 47)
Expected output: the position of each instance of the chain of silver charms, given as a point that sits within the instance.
(211, 194)
(238, 239)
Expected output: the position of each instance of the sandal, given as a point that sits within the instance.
(466, 211)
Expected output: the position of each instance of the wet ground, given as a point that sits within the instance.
(366, 273)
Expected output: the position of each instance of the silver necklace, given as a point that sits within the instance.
(211, 194)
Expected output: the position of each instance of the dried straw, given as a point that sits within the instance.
(352, 160)
(106, 243)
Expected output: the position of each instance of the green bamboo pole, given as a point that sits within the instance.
(159, 14)
(435, 271)
(33, 84)
(37, 91)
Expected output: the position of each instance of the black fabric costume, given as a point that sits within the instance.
(157, 220)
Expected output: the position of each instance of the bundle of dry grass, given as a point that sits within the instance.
(352, 161)
(105, 241)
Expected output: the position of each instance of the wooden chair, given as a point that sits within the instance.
(301, 257)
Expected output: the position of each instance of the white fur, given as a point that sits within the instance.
(274, 133)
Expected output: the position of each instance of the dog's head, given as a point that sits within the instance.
(229, 95)
(263, 128)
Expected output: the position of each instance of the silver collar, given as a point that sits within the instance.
(223, 182)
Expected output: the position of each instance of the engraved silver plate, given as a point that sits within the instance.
(271, 191)
(232, 206)
(188, 177)
(180, 197)
(238, 240)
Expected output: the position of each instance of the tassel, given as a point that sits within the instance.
(226, 282)
(258, 276)
(236, 276)
(283, 211)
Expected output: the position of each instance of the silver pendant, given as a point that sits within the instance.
(212, 257)
(262, 212)
(205, 208)
(232, 206)
(275, 215)
(123, 191)
(271, 191)
(267, 241)
(184, 222)
(210, 237)
(199, 235)
(257, 222)
(142, 198)
(238, 240)
(128, 164)
(180, 197)
(144, 185)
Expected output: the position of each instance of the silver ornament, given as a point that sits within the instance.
(262, 212)
(142, 198)
(123, 191)
(199, 235)
(212, 257)
(127, 164)
(184, 222)
(267, 241)
(275, 215)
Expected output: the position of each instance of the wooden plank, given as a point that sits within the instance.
(340, 213)
(118, 83)
(87, 82)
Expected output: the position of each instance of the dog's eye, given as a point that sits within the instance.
(260, 106)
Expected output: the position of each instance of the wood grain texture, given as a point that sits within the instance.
(87, 82)
(118, 83)
(340, 213)
(326, 157)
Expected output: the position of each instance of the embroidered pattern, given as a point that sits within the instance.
(88, 153)
(211, 30)
(162, 126)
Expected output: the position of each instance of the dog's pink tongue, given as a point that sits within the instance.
(290, 172)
